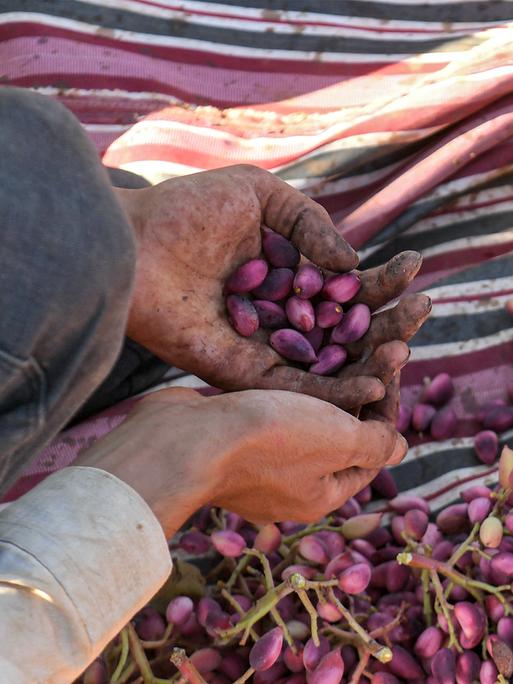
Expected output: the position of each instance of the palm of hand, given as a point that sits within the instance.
(194, 231)
(195, 234)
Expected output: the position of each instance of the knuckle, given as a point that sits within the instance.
(252, 170)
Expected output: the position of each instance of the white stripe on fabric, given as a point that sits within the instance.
(448, 497)
(318, 188)
(435, 223)
(313, 17)
(115, 94)
(470, 243)
(156, 171)
(222, 48)
(353, 26)
(105, 128)
(468, 308)
(421, 451)
(476, 287)
(461, 184)
(438, 351)
(453, 478)
(333, 124)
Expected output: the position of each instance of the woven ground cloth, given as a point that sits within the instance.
(396, 116)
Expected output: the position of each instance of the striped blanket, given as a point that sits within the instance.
(397, 116)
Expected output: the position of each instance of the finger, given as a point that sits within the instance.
(399, 323)
(387, 282)
(387, 408)
(233, 362)
(346, 483)
(304, 222)
(375, 444)
(252, 363)
(346, 394)
(384, 362)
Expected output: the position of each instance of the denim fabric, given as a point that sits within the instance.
(136, 369)
(67, 259)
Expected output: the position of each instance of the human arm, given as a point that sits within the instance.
(83, 551)
(266, 455)
(79, 554)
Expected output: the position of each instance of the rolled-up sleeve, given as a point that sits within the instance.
(79, 555)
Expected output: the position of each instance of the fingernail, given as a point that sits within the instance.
(416, 263)
(400, 450)
(405, 360)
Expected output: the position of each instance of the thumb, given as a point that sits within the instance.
(376, 444)
(304, 222)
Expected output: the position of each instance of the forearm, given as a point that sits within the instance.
(172, 450)
(132, 201)
(79, 555)
(128, 454)
(147, 283)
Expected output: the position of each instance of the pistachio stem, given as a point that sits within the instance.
(286, 632)
(426, 598)
(362, 665)
(310, 609)
(288, 559)
(268, 575)
(139, 655)
(123, 656)
(159, 642)
(446, 610)
(382, 653)
(216, 519)
(259, 610)
(464, 546)
(310, 529)
(127, 674)
(415, 560)
(235, 604)
(245, 676)
(236, 572)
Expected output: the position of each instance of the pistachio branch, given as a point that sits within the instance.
(186, 668)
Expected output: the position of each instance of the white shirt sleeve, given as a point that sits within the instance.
(79, 555)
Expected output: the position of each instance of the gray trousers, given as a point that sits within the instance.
(67, 258)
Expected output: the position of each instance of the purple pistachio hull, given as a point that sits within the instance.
(300, 313)
(341, 288)
(247, 277)
(279, 252)
(331, 359)
(353, 325)
(292, 345)
(270, 314)
(277, 285)
(242, 314)
(328, 314)
(308, 281)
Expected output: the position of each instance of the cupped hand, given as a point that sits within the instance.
(268, 456)
(195, 231)
(305, 458)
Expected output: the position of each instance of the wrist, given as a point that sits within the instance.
(171, 450)
(132, 201)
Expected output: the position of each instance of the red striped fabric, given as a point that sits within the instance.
(407, 147)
